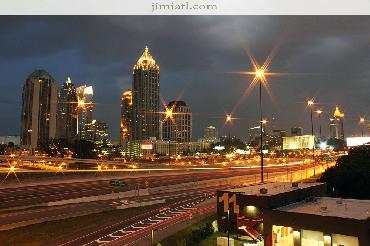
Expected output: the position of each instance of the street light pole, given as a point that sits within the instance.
(310, 104)
(319, 112)
(362, 122)
(152, 238)
(228, 227)
(261, 132)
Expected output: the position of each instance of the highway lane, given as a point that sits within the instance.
(23, 196)
(23, 218)
(174, 201)
(135, 223)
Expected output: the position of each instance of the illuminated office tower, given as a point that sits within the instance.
(39, 106)
(178, 127)
(145, 96)
(126, 117)
(85, 106)
(97, 132)
(336, 125)
(67, 111)
(210, 134)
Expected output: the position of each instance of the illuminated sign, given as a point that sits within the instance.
(241, 152)
(299, 142)
(226, 201)
(147, 146)
(219, 147)
(357, 141)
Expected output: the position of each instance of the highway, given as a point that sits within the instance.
(176, 203)
(131, 229)
(41, 194)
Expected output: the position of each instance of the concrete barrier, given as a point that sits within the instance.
(118, 195)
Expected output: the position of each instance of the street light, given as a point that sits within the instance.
(169, 116)
(319, 112)
(229, 121)
(310, 104)
(362, 122)
(228, 226)
(261, 76)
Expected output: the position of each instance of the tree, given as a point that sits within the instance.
(350, 177)
(84, 149)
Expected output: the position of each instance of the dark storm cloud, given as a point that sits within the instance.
(328, 57)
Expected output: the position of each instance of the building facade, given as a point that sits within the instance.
(97, 132)
(145, 96)
(178, 127)
(298, 142)
(16, 140)
(293, 214)
(39, 106)
(296, 131)
(126, 117)
(147, 148)
(85, 107)
(210, 134)
(67, 111)
(336, 125)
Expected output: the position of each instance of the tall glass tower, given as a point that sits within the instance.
(145, 96)
(67, 111)
(39, 105)
(126, 117)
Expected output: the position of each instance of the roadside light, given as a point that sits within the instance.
(228, 118)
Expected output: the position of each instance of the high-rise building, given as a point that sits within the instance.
(145, 98)
(97, 132)
(336, 125)
(178, 127)
(296, 131)
(254, 134)
(39, 106)
(333, 131)
(126, 117)
(85, 106)
(210, 134)
(67, 111)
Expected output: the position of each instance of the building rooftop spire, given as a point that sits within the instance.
(337, 113)
(146, 60)
(68, 81)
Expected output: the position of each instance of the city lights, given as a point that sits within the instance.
(11, 170)
(228, 118)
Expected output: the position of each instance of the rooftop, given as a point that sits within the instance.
(334, 207)
(40, 73)
(146, 61)
(272, 188)
(177, 103)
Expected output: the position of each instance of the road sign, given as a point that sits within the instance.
(116, 183)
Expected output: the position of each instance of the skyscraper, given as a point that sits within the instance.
(145, 96)
(98, 133)
(85, 106)
(39, 105)
(336, 125)
(67, 111)
(178, 127)
(126, 117)
(210, 134)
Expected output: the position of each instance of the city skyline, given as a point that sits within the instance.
(203, 68)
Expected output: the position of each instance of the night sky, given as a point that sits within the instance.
(327, 58)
